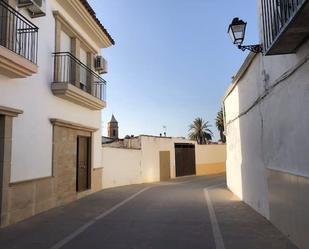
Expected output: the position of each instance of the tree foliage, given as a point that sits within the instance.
(200, 131)
(220, 125)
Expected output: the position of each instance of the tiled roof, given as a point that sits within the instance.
(93, 14)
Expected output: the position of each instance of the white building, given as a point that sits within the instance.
(266, 115)
(51, 97)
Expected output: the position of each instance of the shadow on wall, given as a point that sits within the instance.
(267, 143)
(246, 173)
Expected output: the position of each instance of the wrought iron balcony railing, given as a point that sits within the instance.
(278, 16)
(17, 33)
(68, 69)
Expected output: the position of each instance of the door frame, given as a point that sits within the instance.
(184, 145)
(89, 168)
(165, 155)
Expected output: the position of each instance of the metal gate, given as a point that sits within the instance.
(185, 159)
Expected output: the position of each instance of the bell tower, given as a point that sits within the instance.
(112, 128)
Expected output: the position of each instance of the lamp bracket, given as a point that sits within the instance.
(253, 48)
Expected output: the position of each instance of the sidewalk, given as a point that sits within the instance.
(242, 227)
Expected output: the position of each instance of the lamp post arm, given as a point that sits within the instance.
(253, 48)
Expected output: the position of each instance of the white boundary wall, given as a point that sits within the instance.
(267, 139)
(130, 166)
(121, 167)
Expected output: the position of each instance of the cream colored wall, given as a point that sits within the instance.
(210, 159)
(121, 167)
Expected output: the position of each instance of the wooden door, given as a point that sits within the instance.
(165, 168)
(83, 163)
(185, 159)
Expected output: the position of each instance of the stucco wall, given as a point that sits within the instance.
(151, 146)
(130, 166)
(267, 141)
(210, 159)
(121, 167)
(32, 132)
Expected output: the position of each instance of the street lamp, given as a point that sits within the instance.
(237, 31)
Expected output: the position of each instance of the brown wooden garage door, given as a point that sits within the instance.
(185, 159)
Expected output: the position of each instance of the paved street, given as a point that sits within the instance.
(190, 212)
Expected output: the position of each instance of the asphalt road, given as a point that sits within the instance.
(191, 212)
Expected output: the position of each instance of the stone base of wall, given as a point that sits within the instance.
(29, 198)
(210, 169)
(289, 205)
(25, 199)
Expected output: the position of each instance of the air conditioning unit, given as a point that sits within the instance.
(36, 8)
(100, 64)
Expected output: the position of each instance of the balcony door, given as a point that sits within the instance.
(83, 71)
(66, 46)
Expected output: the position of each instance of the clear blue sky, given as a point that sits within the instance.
(172, 62)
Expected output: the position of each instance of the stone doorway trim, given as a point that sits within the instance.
(6, 130)
(72, 125)
(11, 112)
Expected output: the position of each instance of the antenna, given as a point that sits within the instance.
(164, 129)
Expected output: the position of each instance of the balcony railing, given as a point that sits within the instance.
(68, 69)
(278, 17)
(17, 33)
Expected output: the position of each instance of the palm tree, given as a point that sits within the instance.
(220, 125)
(199, 131)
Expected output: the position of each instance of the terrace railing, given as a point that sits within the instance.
(69, 69)
(276, 16)
(17, 33)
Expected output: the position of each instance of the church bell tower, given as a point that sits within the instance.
(112, 128)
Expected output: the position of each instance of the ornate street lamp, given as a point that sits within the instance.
(237, 31)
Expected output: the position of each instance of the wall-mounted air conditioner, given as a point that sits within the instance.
(36, 8)
(100, 64)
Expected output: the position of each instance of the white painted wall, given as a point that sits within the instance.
(151, 147)
(121, 167)
(32, 131)
(272, 134)
(130, 166)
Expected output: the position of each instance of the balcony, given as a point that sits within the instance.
(75, 82)
(285, 25)
(18, 43)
